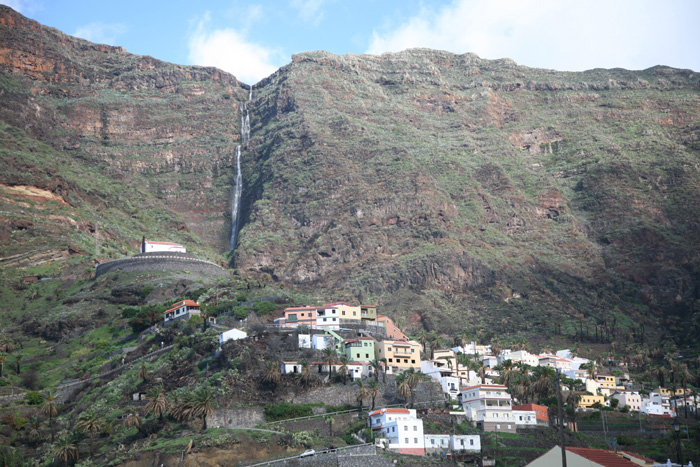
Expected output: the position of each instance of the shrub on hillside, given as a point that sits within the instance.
(264, 308)
(285, 410)
(34, 398)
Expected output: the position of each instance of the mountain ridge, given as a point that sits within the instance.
(453, 190)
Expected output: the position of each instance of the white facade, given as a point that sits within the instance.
(231, 335)
(304, 341)
(525, 418)
(321, 341)
(437, 443)
(631, 399)
(489, 406)
(469, 443)
(656, 404)
(328, 318)
(151, 247)
(399, 429)
(520, 356)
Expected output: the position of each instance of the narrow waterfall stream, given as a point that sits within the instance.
(238, 185)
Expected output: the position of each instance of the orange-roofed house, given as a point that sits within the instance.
(392, 330)
(398, 429)
(300, 316)
(184, 309)
(588, 457)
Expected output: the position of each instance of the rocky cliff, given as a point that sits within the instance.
(456, 192)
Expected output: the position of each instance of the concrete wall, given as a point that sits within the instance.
(236, 418)
(160, 262)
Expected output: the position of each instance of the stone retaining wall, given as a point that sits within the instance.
(161, 262)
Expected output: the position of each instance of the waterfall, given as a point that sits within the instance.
(245, 123)
(238, 187)
(236, 203)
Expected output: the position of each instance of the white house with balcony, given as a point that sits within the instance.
(656, 404)
(489, 407)
(522, 356)
(452, 443)
(399, 430)
(184, 309)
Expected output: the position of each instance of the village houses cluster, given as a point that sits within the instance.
(484, 404)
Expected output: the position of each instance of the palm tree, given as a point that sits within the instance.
(272, 373)
(464, 360)
(360, 394)
(157, 401)
(329, 419)
(343, 370)
(306, 373)
(331, 358)
(506, 373)
(203, 405)
(376, 368)
(2, 364)
(402, 387)
(423, 338)
(373, 390)
(413, 377)
(133, 419)
(90, 423)
(7, 345)
(143, 372)
(180, 407)
(384, 362)
(19, 362)
(50, 409)
(435, 342)
(66, 451)
(545, 384)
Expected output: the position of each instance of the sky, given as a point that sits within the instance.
(252, 39)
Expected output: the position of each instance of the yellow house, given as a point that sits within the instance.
(605, 384)
(588, 401)
(348, 314)
(451, 356)
(368, 314)
(399, 353)
(669, 392)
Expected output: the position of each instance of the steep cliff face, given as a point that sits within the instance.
(156, 140)
(470, 190)
(456, 192)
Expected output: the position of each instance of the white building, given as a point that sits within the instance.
(398, 429)
(631, 399)
(231, 335)
(304, 341)
(656, 404)
(322, 341)
(184, 309)
(525, 418)
(520, 356)
(489, 407)
(456, 443)
(168, 247)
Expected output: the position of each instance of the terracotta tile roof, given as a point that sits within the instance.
(162, 243)
(300, 308)
(602, 457)
(182, 303)
(396, 411)
(638, 456)
(331, 305)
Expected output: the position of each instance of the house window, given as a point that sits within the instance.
(498, 427)
(391, 360)
(406, 440)
(415, 428)
(432, 441)
(461, 442)
(413, 361)
(471, 442)
(343, 312)
(509, 427)
(415, 440)
(413, 350)
(366, 355)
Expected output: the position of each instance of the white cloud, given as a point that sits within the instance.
(572, 36)
(230, 51)
(26, 7)
(309, 10)
(101, 33)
